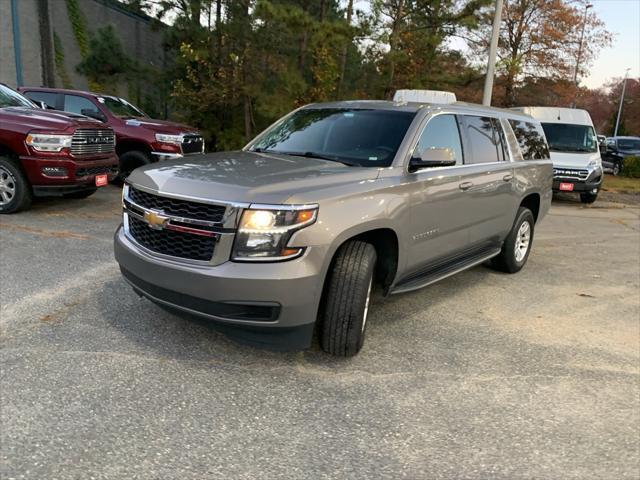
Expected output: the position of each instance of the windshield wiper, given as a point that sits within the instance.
(320, 156)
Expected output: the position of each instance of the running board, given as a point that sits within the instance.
(440, 272)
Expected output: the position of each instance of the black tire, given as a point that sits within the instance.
(80, 195)
(617, 168)
(348, 290)
(507, 261)
(18, 194)
(129, 161)
(588, 197)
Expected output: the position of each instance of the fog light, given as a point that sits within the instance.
(54, 171)
(594, 191)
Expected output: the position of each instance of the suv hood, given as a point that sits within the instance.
(35, 118)
(159, 126)
(247, 177)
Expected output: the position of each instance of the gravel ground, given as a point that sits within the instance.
(481, 376)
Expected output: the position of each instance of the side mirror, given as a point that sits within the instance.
(433, 157)
(88, 112)
(40, 104)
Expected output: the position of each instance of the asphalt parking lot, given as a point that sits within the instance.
(483, 375)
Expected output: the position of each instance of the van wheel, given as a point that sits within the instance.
(588, 197)
(517, 245)
(129, 161)
(348, 292)
(15, 191)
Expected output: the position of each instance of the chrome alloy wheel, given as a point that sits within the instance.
(7, 186)
(522, 241)
(366, 304)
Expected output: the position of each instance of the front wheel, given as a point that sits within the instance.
(15, 191)
(588, 197)
(129, 161)
(616, 169)
(517, 245)
(347, 296)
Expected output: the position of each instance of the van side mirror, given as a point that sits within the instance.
(433, 157)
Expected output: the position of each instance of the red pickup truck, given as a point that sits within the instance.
(50, 153)
(139, 139)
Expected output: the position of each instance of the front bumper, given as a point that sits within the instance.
(588, 182)
(80, 174)
(271, 304)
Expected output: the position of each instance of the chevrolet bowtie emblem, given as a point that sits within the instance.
(155, 220)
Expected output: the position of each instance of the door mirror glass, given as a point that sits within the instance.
(433, 157)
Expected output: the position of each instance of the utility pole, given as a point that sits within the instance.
(575, 73)
(624, 86)
(493, 47)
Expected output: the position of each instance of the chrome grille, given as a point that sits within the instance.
(192, 144)
(92, 141)
(579, 174)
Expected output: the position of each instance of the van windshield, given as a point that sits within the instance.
(565, 137)
(356, 137)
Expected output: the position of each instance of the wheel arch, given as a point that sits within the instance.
(532, 202)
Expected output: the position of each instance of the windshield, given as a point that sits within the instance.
(121, 108)
(564, 137)
(628, 144)
(366, 138)
(11, 98)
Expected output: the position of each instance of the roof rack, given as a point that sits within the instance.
(424, 96)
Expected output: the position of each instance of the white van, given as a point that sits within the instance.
(577, 166)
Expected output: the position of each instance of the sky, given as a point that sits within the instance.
(622, 18)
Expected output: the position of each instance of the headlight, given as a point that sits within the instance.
(264, 233)
(595, 163)
(175, 139)
(46, 142)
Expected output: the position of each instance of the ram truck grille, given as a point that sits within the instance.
(576, 174)
(92, 141)
(192, 144)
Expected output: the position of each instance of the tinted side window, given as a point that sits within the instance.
(483, 139)
(46, 97)
(441, 132)
(75, 104)
(531, 140)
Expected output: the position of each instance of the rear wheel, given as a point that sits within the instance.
(129, 161)
(588, 197)
(517, 245)
(15, 191)
(348, 294)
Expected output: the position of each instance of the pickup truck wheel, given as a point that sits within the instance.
(588, 197)
(129, 161)
(616, 169)
(517, 245)
(15, 191)
(348, 292)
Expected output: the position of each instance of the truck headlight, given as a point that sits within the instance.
(48, 142)
(263, 233)
(174, 139)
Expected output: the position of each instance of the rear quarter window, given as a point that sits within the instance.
(531, 139)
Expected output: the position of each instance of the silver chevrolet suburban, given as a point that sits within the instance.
(331, 201)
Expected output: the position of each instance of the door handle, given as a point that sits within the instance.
(465, 185)
(508, 177)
